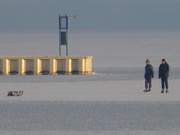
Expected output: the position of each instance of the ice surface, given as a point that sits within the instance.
(90, 118)
(111, 102)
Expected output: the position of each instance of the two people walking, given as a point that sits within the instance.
(163, 75)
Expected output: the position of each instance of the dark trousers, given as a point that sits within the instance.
(148, 84)
(164, 82)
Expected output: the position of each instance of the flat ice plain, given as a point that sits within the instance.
(111, 102)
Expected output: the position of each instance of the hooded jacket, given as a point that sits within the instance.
(164, 70)
(149, 73)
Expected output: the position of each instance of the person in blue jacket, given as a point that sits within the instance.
(164, 74)
(148, 75)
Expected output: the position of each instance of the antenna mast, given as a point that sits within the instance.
(63, 32)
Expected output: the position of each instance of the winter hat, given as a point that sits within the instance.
(163, 59)
(147, 60)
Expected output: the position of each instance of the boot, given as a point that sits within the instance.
(149, 90)
(167, 91)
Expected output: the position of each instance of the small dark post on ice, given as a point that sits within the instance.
(63, 33)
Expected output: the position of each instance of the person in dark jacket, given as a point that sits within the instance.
(148, 75)
(164, 74)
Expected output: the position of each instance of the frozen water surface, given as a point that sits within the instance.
(90, 117)
(119, 64)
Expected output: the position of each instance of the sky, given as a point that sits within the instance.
(95, 15)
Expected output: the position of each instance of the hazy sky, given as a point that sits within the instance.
(99, 15)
